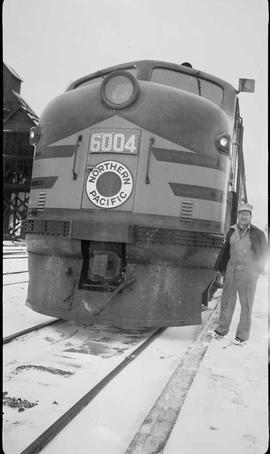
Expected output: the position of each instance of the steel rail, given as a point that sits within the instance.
(15, 283)
(15, 272)
(14, 251)
(14, 336)
(41, 441)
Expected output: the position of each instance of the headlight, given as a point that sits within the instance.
(223, 143)
(119, 90)
(34, 135)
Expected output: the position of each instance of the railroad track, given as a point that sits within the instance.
(103, 378)
(14, 252)
(42, 440)
(15, 283)
(37, 327)
(9, 275)
(11, 252)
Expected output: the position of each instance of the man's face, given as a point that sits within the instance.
(244, 217)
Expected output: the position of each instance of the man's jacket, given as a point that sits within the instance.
(258, 246)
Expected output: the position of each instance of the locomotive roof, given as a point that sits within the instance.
(145, 68)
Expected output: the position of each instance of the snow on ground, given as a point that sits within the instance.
(13, 263)
(15, 293)
(15, 279)
(87, 354)
(108, 423)
(226, 409)
(54, 368)
(17, 247)
(14, 298)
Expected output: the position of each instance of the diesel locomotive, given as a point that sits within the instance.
(137, 173)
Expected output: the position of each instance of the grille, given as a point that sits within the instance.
(171, 236)
(51, 227)
(186, 209)
(41, 200)
(140, 234)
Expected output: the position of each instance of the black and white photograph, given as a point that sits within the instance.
(135, 227)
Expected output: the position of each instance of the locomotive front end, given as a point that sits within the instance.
(129, 200)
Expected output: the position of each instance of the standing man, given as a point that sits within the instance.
(242, 259)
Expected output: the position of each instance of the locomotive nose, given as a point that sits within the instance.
(119, 90)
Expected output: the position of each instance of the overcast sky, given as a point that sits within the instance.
(50, 43)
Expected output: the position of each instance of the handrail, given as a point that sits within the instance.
(79, 140)
(147, 179)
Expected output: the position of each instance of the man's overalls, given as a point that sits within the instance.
(240, 277)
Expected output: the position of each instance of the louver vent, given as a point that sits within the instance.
(186, 209)
(41, 200)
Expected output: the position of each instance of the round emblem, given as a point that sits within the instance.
(109, 184)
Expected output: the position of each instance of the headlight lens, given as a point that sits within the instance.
(223, 143)
(34, 135)
(119, 89)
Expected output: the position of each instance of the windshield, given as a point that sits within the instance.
(189, 83)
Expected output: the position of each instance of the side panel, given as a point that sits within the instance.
(171, 184)
(59, 160)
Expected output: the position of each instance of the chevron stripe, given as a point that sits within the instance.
(43, 182)
(55, 151)
(197, 192)
(182, 157)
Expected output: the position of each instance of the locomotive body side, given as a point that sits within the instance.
(128, 207)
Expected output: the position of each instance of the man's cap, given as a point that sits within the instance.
(245, 207)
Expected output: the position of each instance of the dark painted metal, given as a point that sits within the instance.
(197, 192)
(158, 248)
(147, 179)
(47, 227)
(174, 123)
(98, 231)
(120, 233)
(191, 159)
(43, 182)
(55, 151)
(79, 141)
(126, 283)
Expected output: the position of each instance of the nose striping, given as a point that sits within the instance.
(108, 184)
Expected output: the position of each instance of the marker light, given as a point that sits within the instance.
(223, 142)
(34, 135)
(119, 89)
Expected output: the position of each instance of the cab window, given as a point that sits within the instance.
(189, 83)
(175, 79)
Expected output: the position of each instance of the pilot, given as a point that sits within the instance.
(242, 259)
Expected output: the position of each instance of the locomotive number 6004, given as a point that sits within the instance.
(113, 142)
